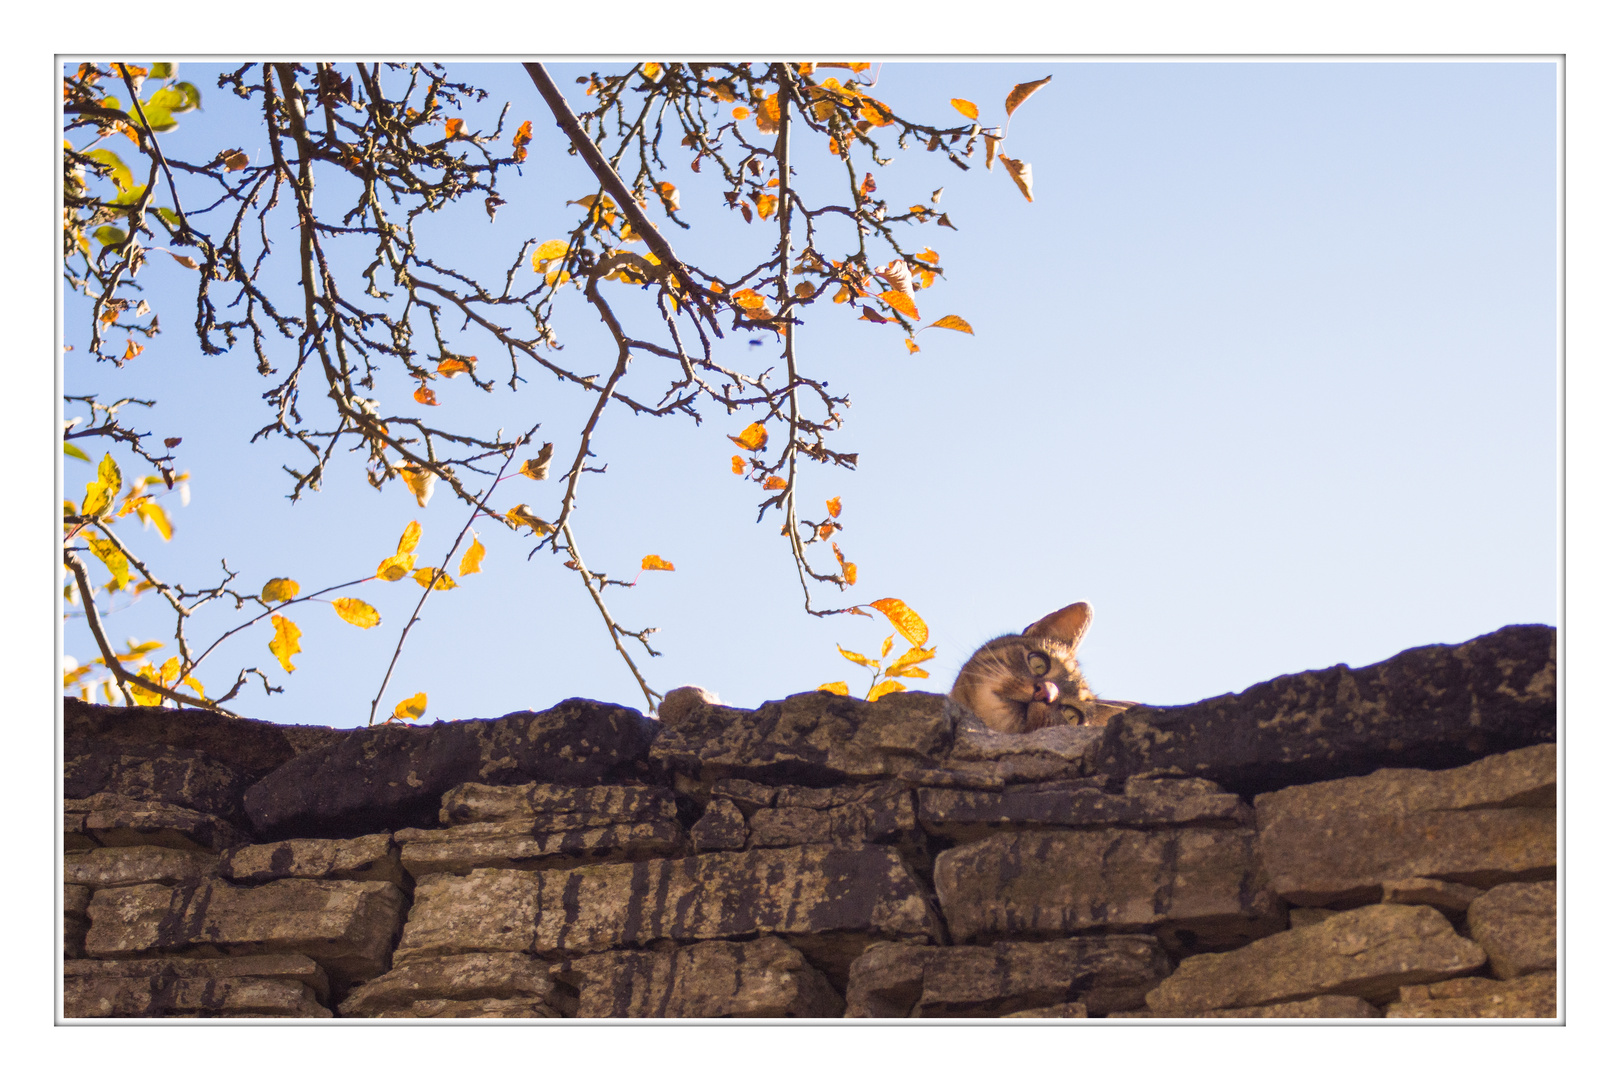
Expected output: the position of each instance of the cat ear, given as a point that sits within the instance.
(1066, 624)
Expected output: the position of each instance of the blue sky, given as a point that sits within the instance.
(1266, 372)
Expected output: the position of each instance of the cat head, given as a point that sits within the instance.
(1021, 682)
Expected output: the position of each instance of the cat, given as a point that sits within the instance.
(1022, 682)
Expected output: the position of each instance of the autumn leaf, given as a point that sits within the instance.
(767, 205)
(736, 465)
(872, 315)
(965, 107)
(472, 562)
(357, 612)
(888, 643)
(748, 298)
(1023, 175)
(839, 687)
(846, 566)
(154, 515)
(887, 686)
(409, 538)
(425, 395)
(453, 127)
(775, 483)
(900, 672)
(824, 531)
(739, 113)
(278, 590)
(142, 695)
(669, 195)
(990, 144)
(1021, 92)
(525, 132)
(835, 505)
(768, 117)
(112, 558)
(953, 322)
(132, 350)
(395, 567)
(653, 562)
(911, 346)
(652, 71)
(437, 579)
(234, 160)
(522, 515)
(868, 185)
(411, 708)
(752, 438)
(285, 643)
(455, 365)
(903, 619)
(418, 479)
(857, 658)
(539, 466)
(915, 655)
(900, 302)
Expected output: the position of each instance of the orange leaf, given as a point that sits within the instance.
(472, 562)
(953, 322)
(835, 505)
(887, 686)
(900, 302)
(739, 113)
(1021, 92)
(868, 185)
(411, 708)
(132, 350)
(653, 562)
(456, 365)
(911, 346)
(857, 658)
(825, 531)
(775, 483)
(901, 672)
(285, 643)
(453, 126)
(736, 464)
(915, 656)
(767, 205)
(425, 395)
(1023, 175)
(748, 298)
(839, 687)
(908, 622)
(849, 572)
(525, 132)
(965, 107)
(752, 438)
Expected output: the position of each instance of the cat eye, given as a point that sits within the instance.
(1072, 716)
(1038, 663)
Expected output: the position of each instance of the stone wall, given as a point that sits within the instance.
(1341, 843)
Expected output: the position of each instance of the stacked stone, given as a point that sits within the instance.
(1367, 843)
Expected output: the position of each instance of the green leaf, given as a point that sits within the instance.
(73, 451)
(162, 71)
(180, 98)
(110, 235)
(122, 178)
(193, 98)
(133, 195)
(158, 118)
(169, 217)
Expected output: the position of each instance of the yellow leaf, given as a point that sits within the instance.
(411, 708)
(900, 302)
(887, 686)
(539, 466)
(835, 688)
(409, 538)
(112, 558)
(472, 562)
(285, 643)
(775, 483)
(169, 671)
(149, 511)
(651, 71)
(438, 579)
(908, 622)
(965, 107)
(901, 672)
(856, 658)
(192, 682)
(736, 464)
(835, 505)
(752, 438)
(357, 612)
(915, 656)
(547, 252)
(418, 479)
(1021, 92)
(953, 322)
(888, 643)
(768, 117)
(653, 562)
(911, 346)
(142, 695)
(395, 567)
(1023, 175)
(278, 589)
(96, 499)
(521, 515)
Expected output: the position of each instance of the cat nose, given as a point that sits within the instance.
(1046, 691)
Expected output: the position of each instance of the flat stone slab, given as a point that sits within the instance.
(807, 891)
(347, 926)
(424, 987)
(113, 820)
(286, 985)
(1433, 707)
(562, 807)
(483, 910)
(1482, 824)
(817, 738)
(364, 858)
(1368, 952)
(1449, 896)
(1326, 1007)
(1049, 882)
(254, 747)
(109, 867)
(869, 813)
(528, 845)
(1052, 753)
(1099, 973)
(1529, 996)
(1145, 803)
(712, 979)
(394, 776)
(188, 778)
(1517, 925)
